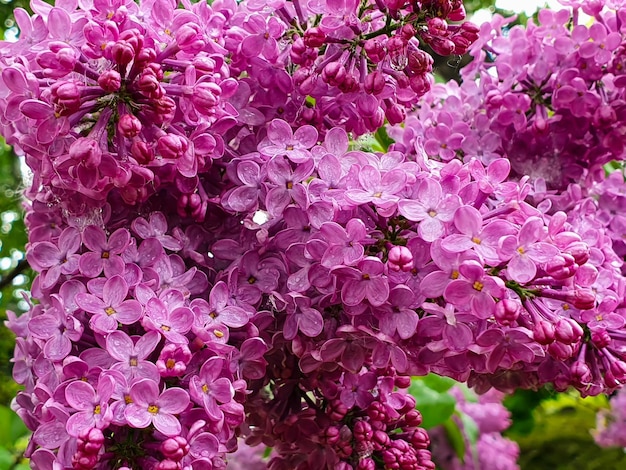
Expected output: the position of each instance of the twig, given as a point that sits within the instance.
(16, 271)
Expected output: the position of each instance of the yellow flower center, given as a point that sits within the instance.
(478, 286)
(218, 333)
(109, 311)
(97, 410)
(476, 240)
(170, 363)
(153, 409)
(454, 274)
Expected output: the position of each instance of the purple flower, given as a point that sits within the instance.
(282, 141)
(151, 407)
(131, 355)
(367, 282)
(210, 388)
(476, 289)
(57, 330)
(104, 254)
(380, 190)
(430, 208)
(399, 316)
(525, 250)
(93, 409)
(156, 227)
(302, 317)
(56, 260)
(112, 308)
(168, 318)
(344, 245)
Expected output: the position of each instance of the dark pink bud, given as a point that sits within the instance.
(190, 39)
(133, 37)
(86, 151)
(129, 126)
(561, 266)
(419, 439)
(458, 14)
(402, 381)
(149, 84)
(66, 96)
(175, 448)
(334, 73)
(437, 27)
(618, 369)
(469, 29)
(604, 115)
(331, 435)
(420, 84)
(600, 338)
(191, 205)
(394, 4)
(374, 83)
(122, 52)
(544, 332)
(314, 37)
(580, 252)
(583, 299)
(375, 50)
(362, 431)
(560, 351)
(142, 152)
(145, 56)
(507, 311)
(205, 96)
(442, 46)
(420, 62)
(168, 464)
(366, 464)
(349, 84)
(397, 49)
(380, 440)
(568, 331)
(407, 32)
(580, 372)
(110, 81)
(413, 418)
(172, 146)
(395, 114)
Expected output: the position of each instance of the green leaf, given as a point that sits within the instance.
(383, 139)
(7, 460)
(12, 428)
(455, 438)
(435, 407)
(437, 382)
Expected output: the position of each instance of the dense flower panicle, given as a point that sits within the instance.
(216, 260)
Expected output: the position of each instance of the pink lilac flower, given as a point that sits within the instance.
(149, 406)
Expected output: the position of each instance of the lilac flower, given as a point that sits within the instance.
(430, 208)
(56, 260)
(379, 189)
(282, 141)
(104, 254)
(156, 227)
(172, 321)
(93, 409)
(148, 407)
(287, 184)
(173, 360)
(57, 330)
(484, 240)
(400, 316)
(131, 355)
(301, 317)
(357, 389)
(112, 308)
(344, 244)
(476, 288)
(210, 388)
(525, 250)
(367, 281)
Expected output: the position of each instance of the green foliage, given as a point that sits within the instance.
(435, 404)
(13, 440)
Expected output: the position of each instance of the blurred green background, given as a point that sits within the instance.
(553, 430)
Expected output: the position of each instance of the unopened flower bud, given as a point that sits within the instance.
(141, 152)
(600, 338)
(507, 311)
(86, 151)
(314, 37)
(544, 332)
(129, 126)
(375, 50)
(110, 81)
(374, 83)
(122, 52)
(568, 331)
(560, 351)
(334, 73)
(580, 372)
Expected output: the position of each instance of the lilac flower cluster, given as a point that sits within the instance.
(488, 449)
(217, 260)
(611, 424)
